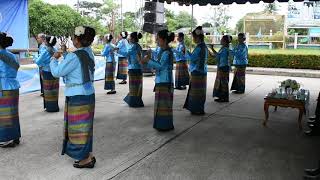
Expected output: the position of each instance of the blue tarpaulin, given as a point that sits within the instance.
(14, 21)
(28, 76)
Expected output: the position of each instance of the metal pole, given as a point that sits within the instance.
(192, 18)
(121, 17)
(78, 5)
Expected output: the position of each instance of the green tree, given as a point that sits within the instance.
(207, 24)
(182, 20)
(271, 8)
(90, 8)
(109, 11)
(171, 22)
(52, 19)
(58, 20)
(185, 19)
(220, 18)
(240, 25)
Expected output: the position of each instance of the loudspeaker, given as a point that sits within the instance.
(153, 17)
(153, 28)
(157, 18)
(154, 6)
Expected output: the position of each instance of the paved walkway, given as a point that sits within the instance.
(309, 73)
(228, 143)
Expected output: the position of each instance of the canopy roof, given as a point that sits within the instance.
(217, 2)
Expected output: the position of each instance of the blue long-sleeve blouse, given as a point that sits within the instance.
(8, 74)
(240, 53)
(133, 51)
(123, 48)
(43, 60)
(107, 52)
(198, 59)
(163, 66)
(223, 56)
(70, 69)
(178, 52)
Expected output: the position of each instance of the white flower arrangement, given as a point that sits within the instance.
(289, 83)
(80, 30)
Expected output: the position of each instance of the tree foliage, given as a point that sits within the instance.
(182, 20)
(58, 20)
(219, 18)
(240, 25)
(271, 8)
(92, 9)
(207, 24)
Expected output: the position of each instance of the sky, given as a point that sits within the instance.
(201, 13)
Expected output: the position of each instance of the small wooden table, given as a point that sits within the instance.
(294, 103)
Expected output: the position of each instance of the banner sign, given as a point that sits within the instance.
(304, 13)
(14, 21)
(29, 77)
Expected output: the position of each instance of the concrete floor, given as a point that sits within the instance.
(228, 143)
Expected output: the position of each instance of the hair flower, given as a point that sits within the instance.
(79, 31)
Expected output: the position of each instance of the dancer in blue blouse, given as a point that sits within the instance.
(122, 48)
(240, 62)
(110, 64)
(223, 57)
(41, 38)
(9, 95)
(163, 118)
(134, 97)
(77, 70)
(198, 68)
(50, 83)
(182, 74)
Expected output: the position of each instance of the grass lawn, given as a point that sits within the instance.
(285, 51)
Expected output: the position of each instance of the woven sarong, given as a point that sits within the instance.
(182, 74)
(78, 118)
(196, 97)
(122, 68)
(109, 76)
(9, 116)
(40, 78)
(239, 79)
(134, 97)
(163, 116)
(50, 92)
(221, 85)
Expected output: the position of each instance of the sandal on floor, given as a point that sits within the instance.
(89, 165)
(93, 160)
(112, 92)
(9, 144)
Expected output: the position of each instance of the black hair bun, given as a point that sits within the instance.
(139, 35)
(5, 41)
(171, 36)
(52, 42)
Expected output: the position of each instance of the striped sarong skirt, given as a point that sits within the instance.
(40, 78)
(134, 97)
(182, 77)
(239, 79)
(109, 83)
(9, 115)
(163, 114)
(50, 92)
(221, 85)
(122, 72)
(78, 121)
(197, 93)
